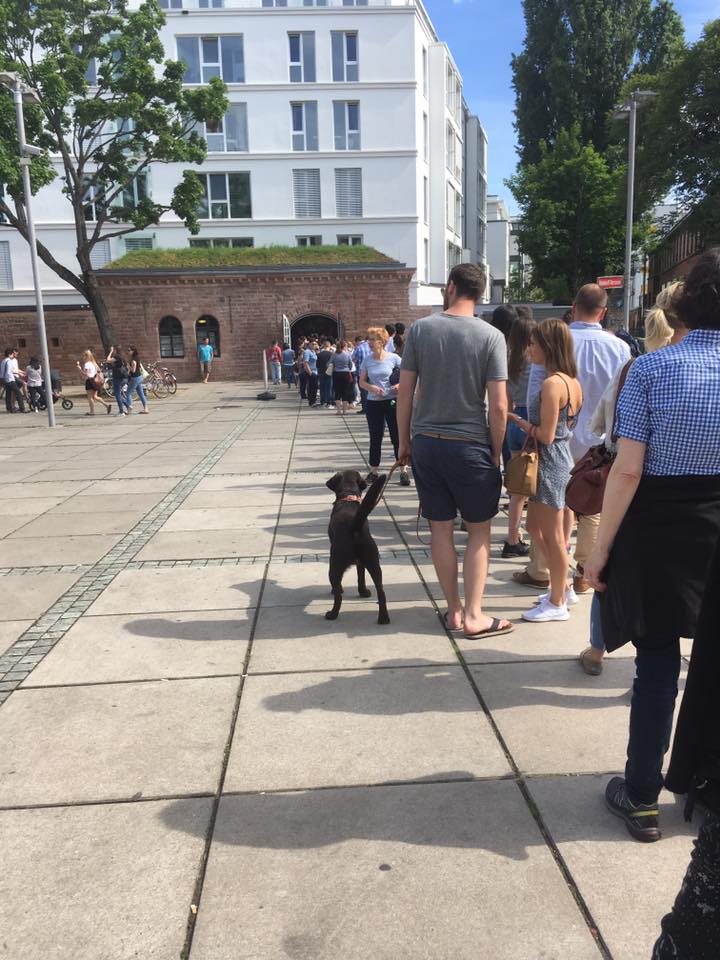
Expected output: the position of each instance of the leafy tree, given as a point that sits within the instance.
(577, 56)
(572, 223)
(679, 132)
(111, 106)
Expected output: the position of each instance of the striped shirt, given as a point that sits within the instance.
(671, 403)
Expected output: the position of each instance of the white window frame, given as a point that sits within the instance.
(344, 177)
(211, 64)
(347, 138)
(222, 131)
(139, 242)
(306, 137)
(348, 66)
(350, 240)
(426, 260)
(426, 200)
(305, 67)
(426, 139)
(227, 174)
(309, 240)
(100, 255)
(237, 242)
(425, 72)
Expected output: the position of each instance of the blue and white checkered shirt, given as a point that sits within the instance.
(671, 403)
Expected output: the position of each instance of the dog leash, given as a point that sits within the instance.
(417, 521)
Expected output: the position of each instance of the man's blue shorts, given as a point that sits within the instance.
(454, 476)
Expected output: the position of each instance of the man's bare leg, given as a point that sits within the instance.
(444, 559)
(475, 570)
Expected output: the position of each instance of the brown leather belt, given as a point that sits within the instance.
(445, 436)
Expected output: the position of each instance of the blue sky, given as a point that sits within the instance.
(483, 35)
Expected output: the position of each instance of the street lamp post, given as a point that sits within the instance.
(21, 92)
(630, 110)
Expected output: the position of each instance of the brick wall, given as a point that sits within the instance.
(247, 305)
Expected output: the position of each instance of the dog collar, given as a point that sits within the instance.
(352, 497)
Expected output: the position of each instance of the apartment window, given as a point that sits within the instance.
(348, 192)
(227, 196)
(207, 57)
(306, 193)
(314, 241)
(347, 124)
(426, 260)
(6, 280)
(454, 255)
(207, 4)
(171, 4)
(426, 139)
(350, 240)
(171, 338)
(425, 71)
(139, 243)
(304, 118)
(274, 3)
(230, 134)
(426, 199)
(100, 254)
(207, 242)
(354, 3)
(453, 210)
(458, 158)
(93, 200)
(458, 214)
(302, 57)
(134, 193)
(344, 56)
(450, 147)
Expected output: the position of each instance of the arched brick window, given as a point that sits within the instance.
(207, 326)
(171, 338)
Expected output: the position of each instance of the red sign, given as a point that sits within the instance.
(610, 283)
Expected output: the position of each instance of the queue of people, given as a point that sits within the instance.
(648, 553)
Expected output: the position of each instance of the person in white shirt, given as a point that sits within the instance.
(90, 367)
(10, 376)
(33, 378)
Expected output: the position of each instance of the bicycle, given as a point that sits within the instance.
(161, 381)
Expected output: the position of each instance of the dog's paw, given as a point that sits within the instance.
(365, 592)
(383, 618)
(331, 615)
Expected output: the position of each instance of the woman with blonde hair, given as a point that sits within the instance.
(663, 326)
(551, 418)
(90, 367)
(379, 376)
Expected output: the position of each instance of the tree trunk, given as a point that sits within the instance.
(94, 297)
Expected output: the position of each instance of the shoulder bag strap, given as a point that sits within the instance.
(621, 384)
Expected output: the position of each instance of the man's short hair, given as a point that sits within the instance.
(469, 280)
(590, 300)
(524, 311)
(503, 318)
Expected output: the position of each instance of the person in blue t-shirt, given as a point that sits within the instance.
(288, 360)
(310, 365)
(206, 354)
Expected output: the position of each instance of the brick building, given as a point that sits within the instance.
(166, 312)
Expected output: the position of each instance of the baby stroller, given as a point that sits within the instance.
(56, 384)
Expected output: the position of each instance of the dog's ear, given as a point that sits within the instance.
(334, 482)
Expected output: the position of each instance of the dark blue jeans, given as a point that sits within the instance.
(379, 413)
(326, 388)
(121, 400)
(289, 375)
(651, 714)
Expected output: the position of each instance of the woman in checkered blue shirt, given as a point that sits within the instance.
(659, 530)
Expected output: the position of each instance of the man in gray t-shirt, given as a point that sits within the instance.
(456, 360)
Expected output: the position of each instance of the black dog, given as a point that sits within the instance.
(350, 539)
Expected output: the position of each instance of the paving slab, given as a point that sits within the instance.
(206, 544)
(28, 597)
(41, 551)
(118, 503)
(213, 518)
(9, 524)
(81, 524)
(238, 498)
(300, 638)
(291, 583)
(114, 741)
(145, 647)
(597, 850)
(107, 882)
(43, 489)
(30, 507)
(180, 588)
(134, 485)
(308, 730)
(10, 631)
(295, 536)
(551, 713)
(421, 872)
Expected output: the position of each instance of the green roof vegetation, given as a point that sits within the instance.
(209, 257)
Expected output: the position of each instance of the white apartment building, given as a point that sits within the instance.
(475, 191)
(345, 125)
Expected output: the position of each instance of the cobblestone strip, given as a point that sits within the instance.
(37, 641)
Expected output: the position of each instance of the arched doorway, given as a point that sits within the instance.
(321, 324)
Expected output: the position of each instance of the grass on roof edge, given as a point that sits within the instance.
(199, 257)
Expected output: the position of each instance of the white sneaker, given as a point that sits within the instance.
(545, 611)
(571, 598)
